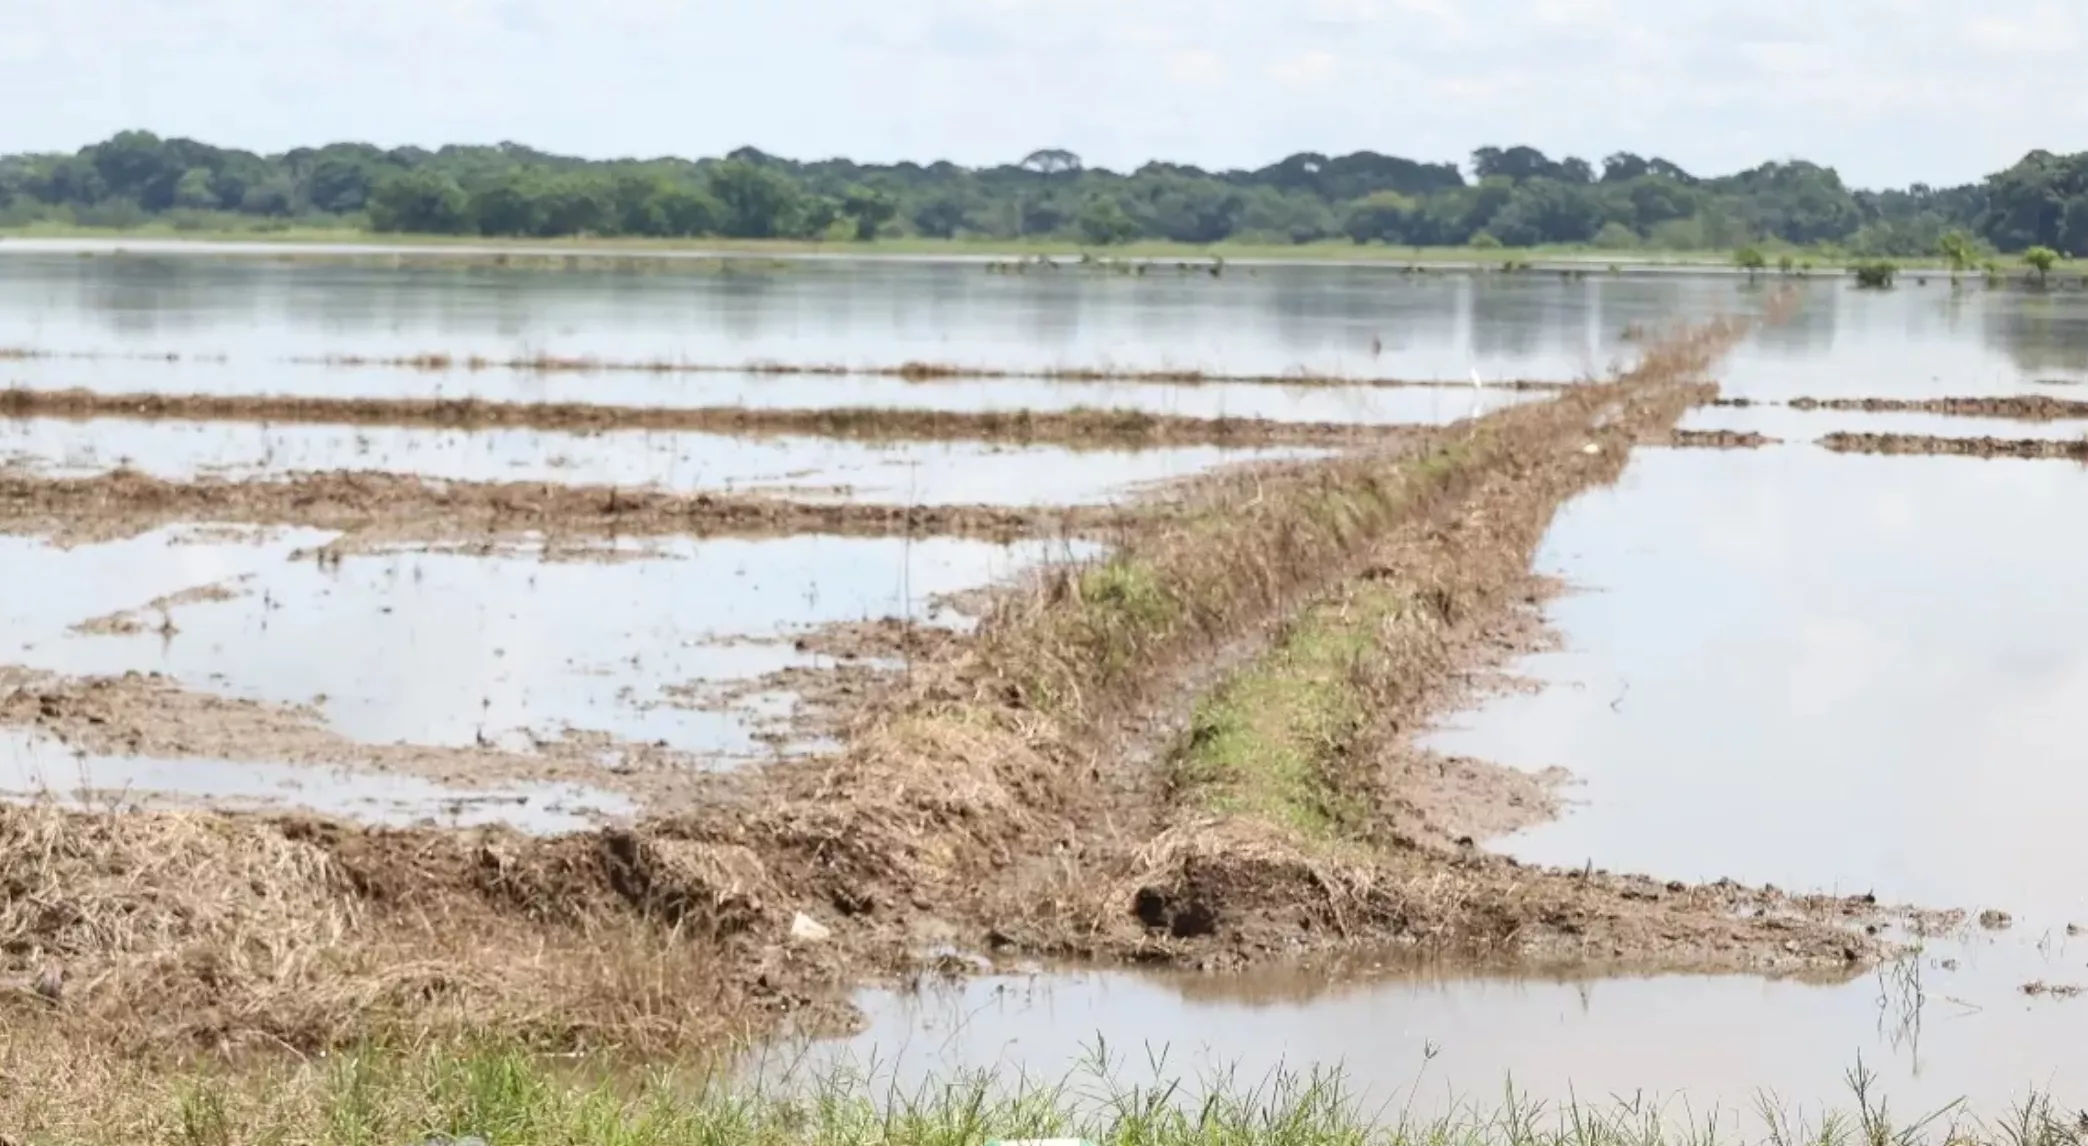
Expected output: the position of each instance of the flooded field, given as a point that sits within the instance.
(1695, 724)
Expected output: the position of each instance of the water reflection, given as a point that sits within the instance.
(1912, 340)
(1821, 671)
(1429, 1039)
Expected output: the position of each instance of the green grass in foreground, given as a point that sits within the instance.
(509, 1099)
(1823, 261)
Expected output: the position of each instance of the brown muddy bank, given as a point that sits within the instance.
(2012, 407)
(394, 508)
(1714, 440)
(2021, 408)
(1848, 443)
(1077, 428)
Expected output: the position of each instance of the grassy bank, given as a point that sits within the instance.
(507, 1098)
(1817, 261)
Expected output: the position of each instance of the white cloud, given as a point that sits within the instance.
(1852, 83)
(1197, 67)
(1306, 69)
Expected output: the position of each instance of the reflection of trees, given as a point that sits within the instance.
(1807, 330)
(2040, 333)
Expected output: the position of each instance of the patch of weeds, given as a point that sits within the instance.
(1268, 742)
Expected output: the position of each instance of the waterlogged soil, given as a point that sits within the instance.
(2068, 449)
(1080, 428)
(1717, 440)
(921, 473)
(465, 667)
(378, 508)
(332, 779)
(1807, 426)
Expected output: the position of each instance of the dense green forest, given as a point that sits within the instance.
(1516, 197)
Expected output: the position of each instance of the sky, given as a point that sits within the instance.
(1888, 91)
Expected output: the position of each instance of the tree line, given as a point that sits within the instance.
(1514, 197)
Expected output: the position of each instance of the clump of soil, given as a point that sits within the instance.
(126, 622)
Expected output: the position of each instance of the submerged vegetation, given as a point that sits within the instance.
(1515, 197)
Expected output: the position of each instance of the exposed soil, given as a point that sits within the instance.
(1080, 428)
(1847, 443)
(379, 507)
(156, 613)
(150, 715)
(1716, 440)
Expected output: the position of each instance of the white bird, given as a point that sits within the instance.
(1478, 383)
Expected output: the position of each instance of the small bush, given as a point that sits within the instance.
(1876, 275)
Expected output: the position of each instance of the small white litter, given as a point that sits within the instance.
(806, 929)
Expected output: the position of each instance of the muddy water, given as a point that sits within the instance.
(1434, 1041)
(1817, 670)
(442, 648)
(919, 473)
(35, 767)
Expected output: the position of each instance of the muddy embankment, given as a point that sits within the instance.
(1077, 428)
(2020, 407)
(2060, 448)
(384, 508)
(1055, 785)
(2012, 407)
(1713, 440)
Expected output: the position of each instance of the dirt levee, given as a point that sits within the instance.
(1848, 443)
(1097, 428)
(400, 506)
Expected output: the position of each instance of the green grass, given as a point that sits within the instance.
(510, 1099)
(1825, 261)
(1261, 743)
